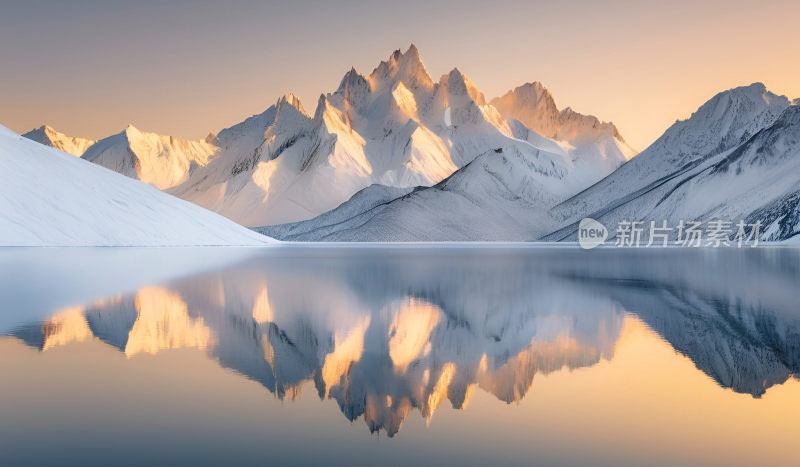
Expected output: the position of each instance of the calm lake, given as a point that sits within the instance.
(399, 356)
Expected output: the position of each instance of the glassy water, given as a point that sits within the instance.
(391, 356)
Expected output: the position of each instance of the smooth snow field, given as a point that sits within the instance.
(399, 355)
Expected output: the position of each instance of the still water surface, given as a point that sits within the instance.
(391, 356)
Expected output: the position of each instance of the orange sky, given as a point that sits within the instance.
(188, 69)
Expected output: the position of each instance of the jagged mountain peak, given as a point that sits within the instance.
(42, 134)
(322, 104)
(406, 67)
(289, 116)
(131, 131)
(721, 123)
(251, 128)
(49, 136)
(533, 90)
(354, 89)
(735, 99)
(292, 101)
(574, 126)
(412, 71)
(47, 129)
(134, 135)
(351, 78)
(458, 84)
(533, 104)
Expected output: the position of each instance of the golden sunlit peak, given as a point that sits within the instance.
(292, 100)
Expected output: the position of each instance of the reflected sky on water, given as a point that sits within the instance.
(358, 356)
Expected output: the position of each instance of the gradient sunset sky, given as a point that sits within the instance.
(88, 68)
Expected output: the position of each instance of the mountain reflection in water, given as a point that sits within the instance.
(385, 332)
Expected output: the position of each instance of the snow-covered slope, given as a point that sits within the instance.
(501, 195)
(254, 175)
(737, 158)
(368, 201)
(49, 198)
(49, 137)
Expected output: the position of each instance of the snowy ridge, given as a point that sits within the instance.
(50, 198)
(48, 136)
(737, 158)
(497, 196)
(534, 106)
(369, 200)
(724, 122)
(256, 166)
(162, 161)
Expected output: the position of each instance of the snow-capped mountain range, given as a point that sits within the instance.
(394, 127)
(735, 159)
(397, 156)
